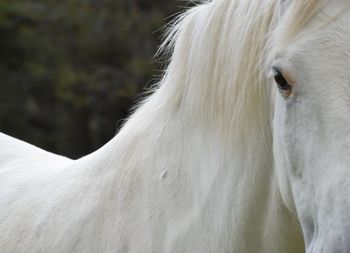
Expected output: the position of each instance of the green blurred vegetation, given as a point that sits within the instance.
(71, 69)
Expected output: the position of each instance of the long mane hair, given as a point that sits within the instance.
(219, 54)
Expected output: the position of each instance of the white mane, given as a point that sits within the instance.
(191, 170)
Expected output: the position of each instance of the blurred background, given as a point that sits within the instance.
(70, 70)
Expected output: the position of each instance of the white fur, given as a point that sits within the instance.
(312, 129)
(192, 170)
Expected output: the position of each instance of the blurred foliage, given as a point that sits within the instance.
(70, 70)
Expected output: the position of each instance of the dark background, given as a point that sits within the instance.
(70, 70)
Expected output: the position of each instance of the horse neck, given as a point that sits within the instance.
(205, 166)
(202, 142)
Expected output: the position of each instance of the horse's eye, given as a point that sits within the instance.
(282, 84)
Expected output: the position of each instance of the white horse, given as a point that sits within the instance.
(220, 158)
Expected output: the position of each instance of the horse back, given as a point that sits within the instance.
(12, 149)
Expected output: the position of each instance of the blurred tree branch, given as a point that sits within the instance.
(71, 69)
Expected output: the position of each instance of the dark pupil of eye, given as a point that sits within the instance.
(281, 82)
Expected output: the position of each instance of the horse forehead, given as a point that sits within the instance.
(327, 34)
(332, 38)
(336, 12)
(283, 5)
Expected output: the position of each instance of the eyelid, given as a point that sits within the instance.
(285, 73)
(276, 70)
